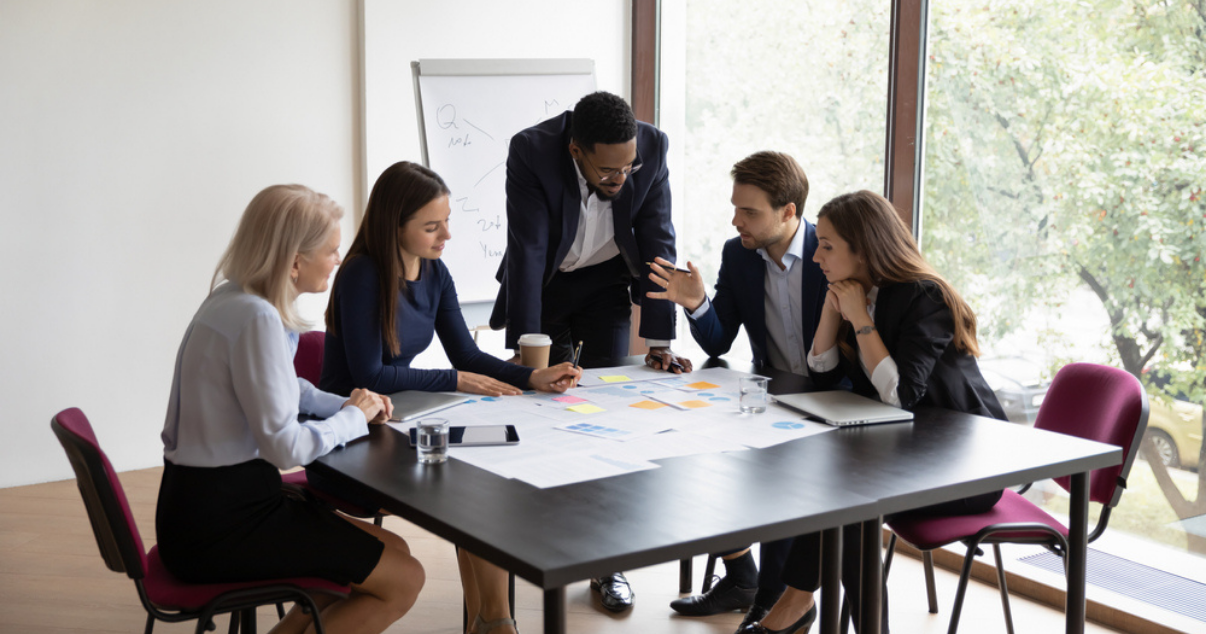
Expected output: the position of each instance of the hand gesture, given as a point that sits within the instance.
(473, 383)
(851, 301)
(683, 288)
(665, 359)
(558, 378)
(376, 408)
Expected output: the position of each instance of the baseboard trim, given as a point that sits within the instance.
(1035, 590)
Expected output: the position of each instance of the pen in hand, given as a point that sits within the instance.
(577, 357)
(670, 268)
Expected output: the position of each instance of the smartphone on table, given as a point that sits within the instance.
(476, 435)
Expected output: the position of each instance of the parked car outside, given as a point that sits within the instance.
(1019, 385)
(1175, 428)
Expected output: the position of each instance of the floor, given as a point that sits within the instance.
(53, 581)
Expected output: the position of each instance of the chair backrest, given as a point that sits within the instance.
(1101, 403)
(308, 360)
(108, 510)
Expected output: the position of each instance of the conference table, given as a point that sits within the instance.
(715, 502)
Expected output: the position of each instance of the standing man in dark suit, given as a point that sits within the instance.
(588, 204)
(768, 283)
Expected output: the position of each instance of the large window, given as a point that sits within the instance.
(1065, 165)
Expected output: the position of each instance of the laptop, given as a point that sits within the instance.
(842, 409)
(413, 404)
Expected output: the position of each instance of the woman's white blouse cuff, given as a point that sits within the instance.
(316, 402)
(886, 378)
(823, 362)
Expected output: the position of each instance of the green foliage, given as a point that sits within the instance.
(1065, 147)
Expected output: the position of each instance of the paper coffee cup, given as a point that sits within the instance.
(534, 350)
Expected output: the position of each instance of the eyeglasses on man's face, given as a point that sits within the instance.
(613, 174)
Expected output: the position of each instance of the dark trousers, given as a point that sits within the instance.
(772, 557)
(591, 305)
(803, 568)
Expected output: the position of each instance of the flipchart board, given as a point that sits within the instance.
(468, 111)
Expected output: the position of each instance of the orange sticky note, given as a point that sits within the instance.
(703, 385)
(648, 405)
(694, 404)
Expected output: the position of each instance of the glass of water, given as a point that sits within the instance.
(433, 440)
(753, 394)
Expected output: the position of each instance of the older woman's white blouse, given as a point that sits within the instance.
(236, 397)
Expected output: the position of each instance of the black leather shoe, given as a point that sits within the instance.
(799, 627)
(725, 596)
(614, 591)
(756, 613)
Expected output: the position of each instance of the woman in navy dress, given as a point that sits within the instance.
(391, 298)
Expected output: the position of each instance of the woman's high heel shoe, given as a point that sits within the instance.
(799, 627)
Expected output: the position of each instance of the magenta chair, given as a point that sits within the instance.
(308, 364)
(165, 597)
(1090, 401)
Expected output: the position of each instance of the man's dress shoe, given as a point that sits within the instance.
(725, 596)
(614, 591)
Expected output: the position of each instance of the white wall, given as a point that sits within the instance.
(133, 133)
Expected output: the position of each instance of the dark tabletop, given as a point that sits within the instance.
(707, 503)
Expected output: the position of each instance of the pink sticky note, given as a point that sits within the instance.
(569, 399)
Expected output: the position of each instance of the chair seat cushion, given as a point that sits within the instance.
(166, 591)
(929, 532)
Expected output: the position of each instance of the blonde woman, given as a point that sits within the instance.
(232, 423)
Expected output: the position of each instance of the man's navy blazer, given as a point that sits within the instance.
(740, 299)
(543, 209)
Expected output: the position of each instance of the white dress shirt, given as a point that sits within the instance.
(782, 297)
(595, 240)
(236, 397)
(885, 377)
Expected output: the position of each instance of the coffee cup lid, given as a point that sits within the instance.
(535, 339)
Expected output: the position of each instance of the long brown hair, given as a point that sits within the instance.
(401, 190)
(873, 229)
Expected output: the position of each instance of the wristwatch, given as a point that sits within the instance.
(865, 330)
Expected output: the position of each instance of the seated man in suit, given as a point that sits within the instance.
(769, 284)
(588, 204)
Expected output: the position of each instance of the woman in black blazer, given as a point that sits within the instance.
(901, 334)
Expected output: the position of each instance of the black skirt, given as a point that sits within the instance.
(225, 524)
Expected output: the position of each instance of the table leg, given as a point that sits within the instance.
(831, 580)
(684, 574)
(871, 606)
(1078, 552)
(554, 610)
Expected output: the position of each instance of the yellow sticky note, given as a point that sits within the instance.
(694, 404)
(616, 378)
(703, 385)
(586, 408)
(648, 405)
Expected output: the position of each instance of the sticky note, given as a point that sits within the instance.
(648, 405)
(694, 404)
(703, 385)
(586, 408)
(570, 399)
(615, 378)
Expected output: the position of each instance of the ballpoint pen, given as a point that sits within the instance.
(673, 268)
(577, 354)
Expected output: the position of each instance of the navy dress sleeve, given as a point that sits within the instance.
(462, 351)
(357, 357)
